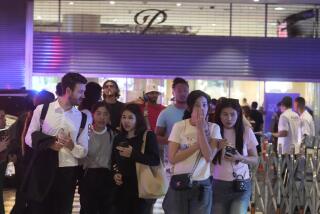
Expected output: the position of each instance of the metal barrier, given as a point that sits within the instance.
(287, 183)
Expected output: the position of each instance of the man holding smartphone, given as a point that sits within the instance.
(63, 121)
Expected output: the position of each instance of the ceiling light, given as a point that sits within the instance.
(71, 3)
(112, 2)
(213, 25)
(256, 0)
(39, 17)
(179, 4)
(279, 8)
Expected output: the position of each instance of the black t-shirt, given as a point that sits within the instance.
(257, 117)
(150, 157)
(115, 113)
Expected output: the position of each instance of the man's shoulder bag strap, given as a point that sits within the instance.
(43, 114)
(83, 123)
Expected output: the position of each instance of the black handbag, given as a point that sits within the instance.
(239, 184)
(184, 181)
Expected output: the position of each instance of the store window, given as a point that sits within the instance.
(215, 88)
(45, 82)
(251, 90)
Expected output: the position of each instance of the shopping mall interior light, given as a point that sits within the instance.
(279, 8)
(71, 3)
(179, 4)
(256, 0)
(112, 2)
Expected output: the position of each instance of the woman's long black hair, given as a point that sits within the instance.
(239, 128)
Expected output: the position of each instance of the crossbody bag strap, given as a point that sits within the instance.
(196, 163)
(144, 138)
(82, 124)
(43, 114)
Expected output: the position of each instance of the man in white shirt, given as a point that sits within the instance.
(307, 123)
(288, 129)
(63, 121)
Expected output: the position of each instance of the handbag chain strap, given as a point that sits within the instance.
(196, 163)
(198, 156)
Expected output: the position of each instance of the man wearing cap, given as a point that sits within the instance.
(288, 129)
(150, 108)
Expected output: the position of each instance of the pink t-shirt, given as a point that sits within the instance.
(224, 171)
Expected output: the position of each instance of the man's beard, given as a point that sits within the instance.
(153, 101)
(74, 102)
(109, 94)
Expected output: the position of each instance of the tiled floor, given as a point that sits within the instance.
(9, 198)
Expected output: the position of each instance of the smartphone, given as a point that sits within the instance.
(124, 144)
(230, 151)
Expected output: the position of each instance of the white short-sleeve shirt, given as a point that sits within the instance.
(307, 124)
(184, 134)
(289, 121)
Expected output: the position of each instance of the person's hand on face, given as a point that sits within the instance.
(201, 122)
(198, 118)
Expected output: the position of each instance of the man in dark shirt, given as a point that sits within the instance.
(257, 117)
(111, 93)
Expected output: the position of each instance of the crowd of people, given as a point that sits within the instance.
(80, 138)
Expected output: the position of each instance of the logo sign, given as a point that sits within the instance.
(150, 17)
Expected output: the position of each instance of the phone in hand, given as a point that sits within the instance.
(124, 144)
(230, 151)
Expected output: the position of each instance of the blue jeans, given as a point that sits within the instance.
(227, 201)
(196, 200)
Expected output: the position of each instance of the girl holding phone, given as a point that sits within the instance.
(126, 152)
(231, 176)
